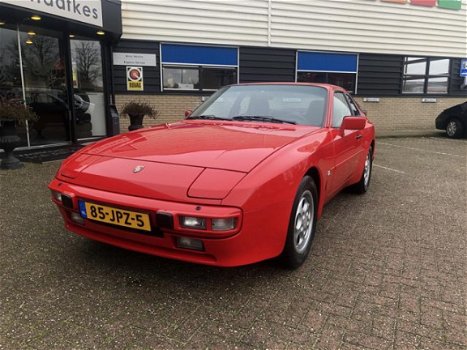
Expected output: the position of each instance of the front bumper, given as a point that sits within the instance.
(244, 245)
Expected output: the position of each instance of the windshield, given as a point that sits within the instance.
(296, 104)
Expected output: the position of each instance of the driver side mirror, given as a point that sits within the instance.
(188, 113)
(353, 123)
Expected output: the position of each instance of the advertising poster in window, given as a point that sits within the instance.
(135, 80)
(463, 72)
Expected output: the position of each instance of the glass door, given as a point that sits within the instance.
(88, 88)
(42, 57)
(11, 86)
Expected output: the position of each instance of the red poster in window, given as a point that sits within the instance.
(427, 3)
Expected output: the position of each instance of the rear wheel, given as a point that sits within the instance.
(454, 128)
(302, 224)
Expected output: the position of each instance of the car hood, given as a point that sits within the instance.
(184, 161)
(231, 146)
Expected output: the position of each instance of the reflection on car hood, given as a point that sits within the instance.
(237, 146)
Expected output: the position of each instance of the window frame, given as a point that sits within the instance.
(351, 102)
(346, 101)
(427, 76)
(200, 67)
(329, 71)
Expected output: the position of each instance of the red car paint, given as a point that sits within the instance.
(212, 169)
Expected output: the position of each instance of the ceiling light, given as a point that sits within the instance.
(2, 23)
(71, 35)
(36, 18)
(29, 41)
(31, 33)
(100, 32)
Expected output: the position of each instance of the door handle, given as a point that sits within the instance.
(359, 136)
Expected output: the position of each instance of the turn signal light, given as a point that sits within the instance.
(57, 196)
(225, 224)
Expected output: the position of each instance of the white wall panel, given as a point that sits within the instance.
(369, 26)
(241, 22)
(339, 25)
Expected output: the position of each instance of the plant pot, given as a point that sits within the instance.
(136, 121)
(9, 140)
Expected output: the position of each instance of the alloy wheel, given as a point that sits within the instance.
(304, 218)
(451, 128)
(367, 171)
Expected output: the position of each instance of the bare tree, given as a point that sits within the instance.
(41, 61)
(87, 63)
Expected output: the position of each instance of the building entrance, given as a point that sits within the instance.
(36, 67)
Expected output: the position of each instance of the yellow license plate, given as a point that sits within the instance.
(115, 216)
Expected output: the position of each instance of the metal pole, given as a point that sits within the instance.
(269, 21)
(22, 82)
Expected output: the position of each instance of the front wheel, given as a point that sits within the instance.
(454, 129)
(302, 224)
(362, 186)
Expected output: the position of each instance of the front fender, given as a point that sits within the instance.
(267, 193)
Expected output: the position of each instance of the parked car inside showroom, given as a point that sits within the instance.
(453, 120)
(242, 179)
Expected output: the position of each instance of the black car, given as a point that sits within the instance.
(453, 120)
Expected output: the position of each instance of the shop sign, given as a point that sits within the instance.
(443, 4)
(463, 72)
(134, 79)
(134, 59)
(87, 11)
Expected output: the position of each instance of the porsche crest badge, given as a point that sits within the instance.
(138, 168)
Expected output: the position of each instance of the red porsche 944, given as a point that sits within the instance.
(242, 179)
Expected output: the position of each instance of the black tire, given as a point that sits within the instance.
(454, 128)
(363, 184)
(298, 241)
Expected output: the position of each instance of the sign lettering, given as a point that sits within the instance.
(87, 11)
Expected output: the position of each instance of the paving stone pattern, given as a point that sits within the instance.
(387, 271)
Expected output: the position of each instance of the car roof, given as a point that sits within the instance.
(322, 85)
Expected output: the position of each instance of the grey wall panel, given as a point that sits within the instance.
(380, 74)
(266, 64)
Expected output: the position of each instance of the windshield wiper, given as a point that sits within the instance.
(208, 117)
(262, 119)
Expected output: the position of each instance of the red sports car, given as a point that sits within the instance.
(242, 179)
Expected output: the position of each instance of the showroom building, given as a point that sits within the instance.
(402, 59)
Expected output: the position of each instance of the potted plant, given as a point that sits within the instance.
(136, 112)
(12, 113)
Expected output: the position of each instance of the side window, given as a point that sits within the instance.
(341, 109)
(352, 104)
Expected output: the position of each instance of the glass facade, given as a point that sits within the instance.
(59, 66)
(33, 69)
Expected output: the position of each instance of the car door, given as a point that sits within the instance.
(361, 151)
(346, 144)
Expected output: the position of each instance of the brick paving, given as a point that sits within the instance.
(387, 271)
